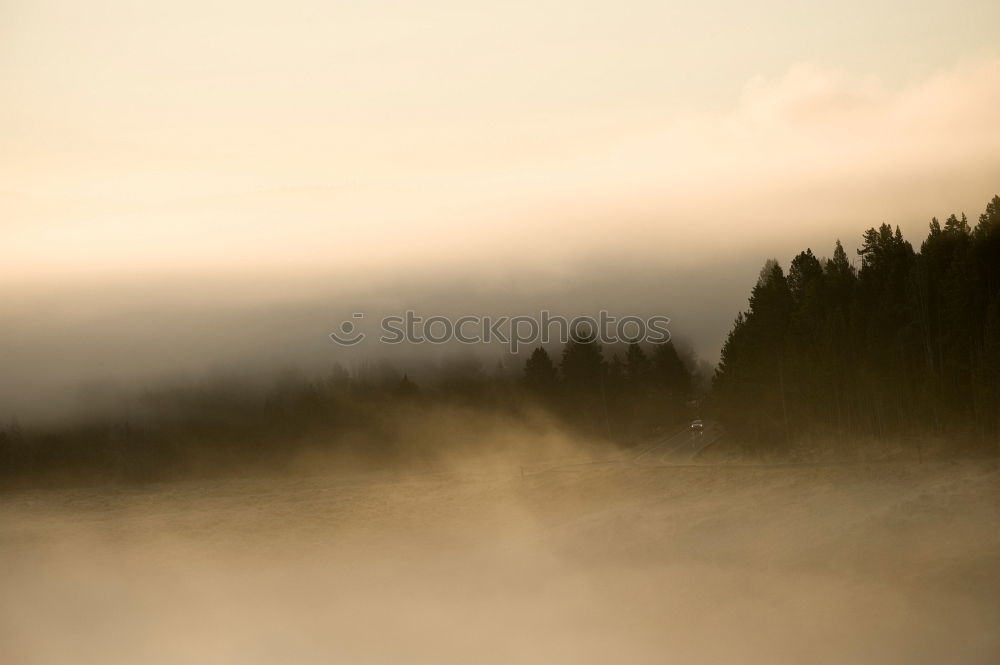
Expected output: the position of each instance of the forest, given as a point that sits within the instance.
(908, 342)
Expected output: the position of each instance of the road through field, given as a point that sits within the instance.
(680, 447)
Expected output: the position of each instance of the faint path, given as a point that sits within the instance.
(677, 449)
(681, 447)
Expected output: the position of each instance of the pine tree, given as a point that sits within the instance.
(540, 375)
(669, 375)
(584, 374)
(583, 367)
(637, 366)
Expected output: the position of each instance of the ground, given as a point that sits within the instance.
(856, 563)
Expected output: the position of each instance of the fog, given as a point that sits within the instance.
(65, 349)
(196, 194)
(484, 561)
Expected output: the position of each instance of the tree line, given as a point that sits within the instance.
(909, 341)
(621, 398)
(226, 423)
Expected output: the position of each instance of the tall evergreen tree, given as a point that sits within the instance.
(540, 375)
(583, 367)
(669, 375)
(637, 365)
(584, 374)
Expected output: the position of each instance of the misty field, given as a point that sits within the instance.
(879, 563)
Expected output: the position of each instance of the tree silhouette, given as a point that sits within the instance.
(909, 342)
(668, 373)
(540, 374)
(583, 367)
(584, 374)
(406, 387)
(637, 366)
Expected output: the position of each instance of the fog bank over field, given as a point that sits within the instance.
(883, 563)
(66, 349)
(70, 345)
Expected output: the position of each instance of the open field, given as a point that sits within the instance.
(881, 563)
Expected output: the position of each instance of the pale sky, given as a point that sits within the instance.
(233, 136)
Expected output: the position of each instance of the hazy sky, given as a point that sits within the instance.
(141, 136)
(209, 142)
